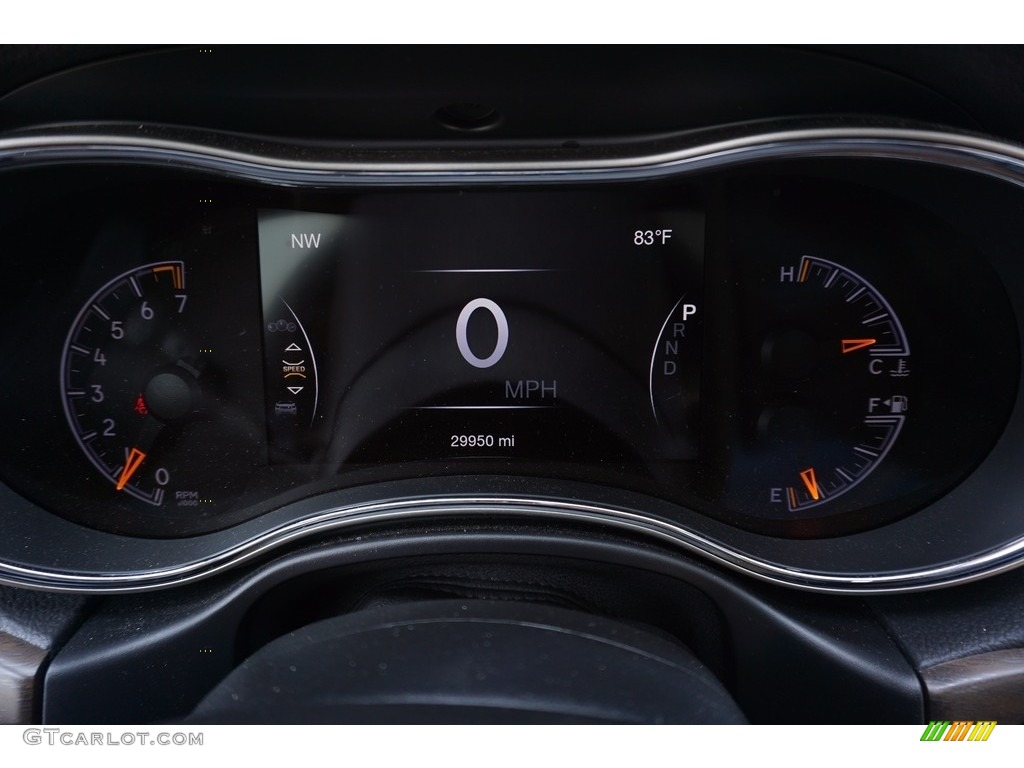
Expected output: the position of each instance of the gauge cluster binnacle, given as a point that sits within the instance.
(738, 348)
(788, 349)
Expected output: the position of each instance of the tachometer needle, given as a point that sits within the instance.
(132, 463)
(811, 482)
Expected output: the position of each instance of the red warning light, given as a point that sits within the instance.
(140, 406)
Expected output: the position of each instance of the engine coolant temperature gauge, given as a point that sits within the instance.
(830, 392)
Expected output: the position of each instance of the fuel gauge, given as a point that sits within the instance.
(831, 395)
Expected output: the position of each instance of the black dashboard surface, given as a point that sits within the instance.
(393, 343)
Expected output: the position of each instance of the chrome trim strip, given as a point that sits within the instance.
(343, 517)
(971, 153)
(948, 149)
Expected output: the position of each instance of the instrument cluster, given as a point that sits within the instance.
(787, 351)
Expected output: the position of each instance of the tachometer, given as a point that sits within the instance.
(140, 391)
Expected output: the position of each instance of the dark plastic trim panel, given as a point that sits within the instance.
(790, 653)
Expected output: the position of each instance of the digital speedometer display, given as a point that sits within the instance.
(546, 326)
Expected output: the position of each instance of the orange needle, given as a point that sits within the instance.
(132, 463)
(811, 482)
(852, 345)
